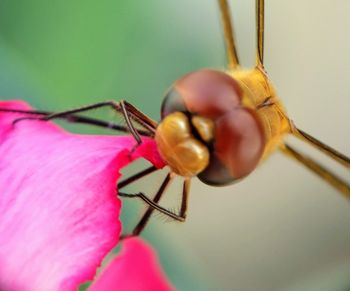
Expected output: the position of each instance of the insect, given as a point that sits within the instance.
(215, 125)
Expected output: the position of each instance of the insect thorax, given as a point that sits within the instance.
(260, 95)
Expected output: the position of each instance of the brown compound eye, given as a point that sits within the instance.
(172, 102)
(239, 141)
(208, 93)
(216, 174)
(238, 147)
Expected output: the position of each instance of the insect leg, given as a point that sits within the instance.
(78, 119)
(319, 170)
(136, 177)
(140, 118)
(260, 32)
(181, 216)
(145, 218)
(134, 112)
(61, 114)
(103, 124)
(119, 107)
(153, 205)
(233, 62)
(143, 197)
(133, 131)
(184, 202)
(327, 150)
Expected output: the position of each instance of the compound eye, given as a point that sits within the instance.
(238, 147)
(216, 174)
(172, 102)
(239, 141)
(209, 93)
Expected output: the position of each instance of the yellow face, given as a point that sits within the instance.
(185, 155)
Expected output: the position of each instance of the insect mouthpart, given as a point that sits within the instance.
(185, 154)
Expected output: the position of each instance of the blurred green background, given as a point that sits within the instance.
(289, 233)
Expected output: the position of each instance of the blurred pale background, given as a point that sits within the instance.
(282, 228)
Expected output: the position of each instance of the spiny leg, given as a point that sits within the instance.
(61, 114)
(130, 126)
(121, 108)
(138, 116)
(318, 169)
(260, 15)
(153, 205)
(184, 201)
(79, 119)
(142, 196)
(233, 62)
(145, 218)
(181, 216)
(104, 124)
(327, 150)
(136, 177)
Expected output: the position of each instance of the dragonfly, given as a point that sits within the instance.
(216, 125)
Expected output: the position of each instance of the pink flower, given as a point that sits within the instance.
(135, 269)
(59, 211)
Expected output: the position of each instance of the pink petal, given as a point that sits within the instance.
(59, 214)
(135, 269)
